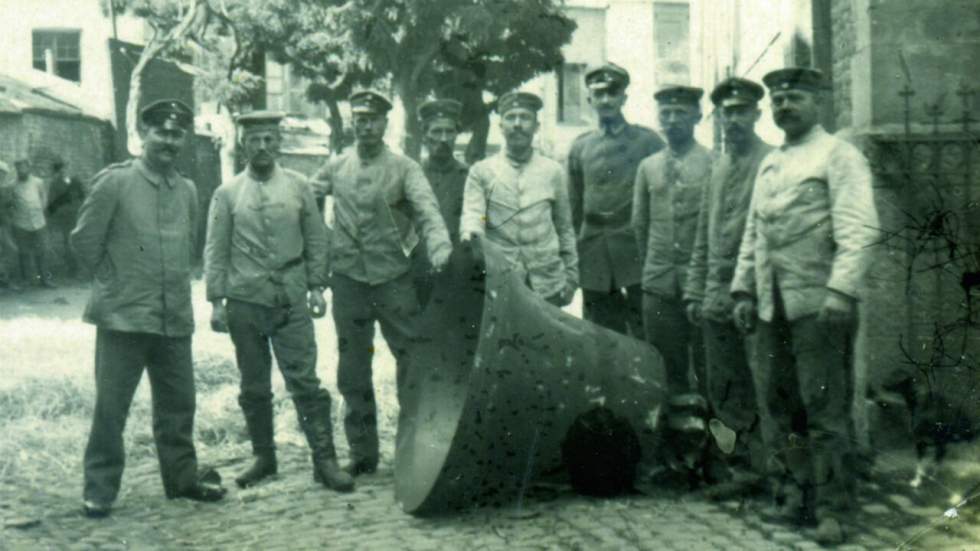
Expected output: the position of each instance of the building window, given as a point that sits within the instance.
(286, 92)
(671, 28)
(573, 101)
(57, 52)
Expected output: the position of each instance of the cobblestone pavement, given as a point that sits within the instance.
(290, 512)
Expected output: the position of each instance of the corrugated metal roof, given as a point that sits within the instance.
(17, 96)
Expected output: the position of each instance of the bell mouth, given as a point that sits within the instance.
(496, 382)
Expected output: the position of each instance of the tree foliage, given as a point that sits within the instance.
(455, 48)
(466, 49)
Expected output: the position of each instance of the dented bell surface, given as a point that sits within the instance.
(498, 379)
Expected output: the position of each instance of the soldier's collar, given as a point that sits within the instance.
(810, 135)
(153, 176)
(441, 166)
(271, 176)
(518, 160)
(614, 126)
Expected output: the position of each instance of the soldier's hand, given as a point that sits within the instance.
(317, 304)
(440, 259)
(837, 309)
(219, 317)
(744, 315)
(472, 250)
(693, 312)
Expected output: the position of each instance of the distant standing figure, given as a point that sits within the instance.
(265, 261)
(518, 200)
(7, 247)
(602, 167)
(136, 233)
(665, 216)
(66, 197)
(30, 199)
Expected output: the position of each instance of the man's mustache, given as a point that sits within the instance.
(785, 115)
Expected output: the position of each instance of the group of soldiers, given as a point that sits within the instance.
(742, 268)
(35, 212)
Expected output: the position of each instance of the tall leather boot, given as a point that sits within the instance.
(314, 418)
(258, 419)
(362, 437)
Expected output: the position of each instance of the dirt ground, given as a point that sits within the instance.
(45, 393)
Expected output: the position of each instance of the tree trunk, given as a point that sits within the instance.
(336, 122)
(412, 140)
(477, 148)
(134, 144)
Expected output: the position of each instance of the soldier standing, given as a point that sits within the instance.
(265, 260)
(801, 263)
(721, 222)
(29, 224)
(135, 234)
(666, 202)
(602, 167)
(518, 200)
(446, 176)
(379, 198)
(67, 195)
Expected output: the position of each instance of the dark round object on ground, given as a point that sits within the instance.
(600, 452)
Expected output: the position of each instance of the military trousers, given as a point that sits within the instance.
(32, 251)
(120, 359)
(802, 377)
(618, 309)
(356, 308)
(258, 331)
(729, 357)
(679, 343)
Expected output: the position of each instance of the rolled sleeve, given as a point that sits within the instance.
(473, 219)
(322, 181)
(697, 268)
(576, 186)
(640, 219)
(217, 247)
(314, 239)
(855, 220)
(562, 216)
(743, 282)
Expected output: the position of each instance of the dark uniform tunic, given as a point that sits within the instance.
(721, 222)
(136, 233)
(665, 215)
(447, 181)
(602, 167)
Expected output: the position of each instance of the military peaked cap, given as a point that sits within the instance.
(369, 101)
(679, 94)
(608, 75)
(795, 78)
(514, 99)
(167, 113)
(736, 91)
(433, 108)
(254, 119)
